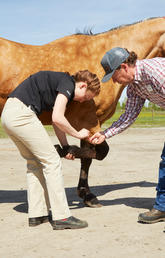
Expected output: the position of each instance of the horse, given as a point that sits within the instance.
(79, 52)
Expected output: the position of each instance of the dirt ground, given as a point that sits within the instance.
(125, 184)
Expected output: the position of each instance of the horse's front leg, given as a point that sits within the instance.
(83, 188)
(86, 153)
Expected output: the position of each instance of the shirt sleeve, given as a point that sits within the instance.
(66, 87)
(133, 107)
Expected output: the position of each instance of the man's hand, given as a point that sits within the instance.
(97, 138)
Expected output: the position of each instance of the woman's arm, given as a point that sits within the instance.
(59, 120)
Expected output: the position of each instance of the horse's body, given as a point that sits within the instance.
(79, 52)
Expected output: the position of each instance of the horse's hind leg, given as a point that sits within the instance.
(159, 48)
(83, 189)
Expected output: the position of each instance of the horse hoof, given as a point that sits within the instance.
(92, 205)
(92, 202)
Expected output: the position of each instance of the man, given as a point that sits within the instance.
(145, 80)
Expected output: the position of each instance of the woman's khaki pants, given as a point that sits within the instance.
(44, 176)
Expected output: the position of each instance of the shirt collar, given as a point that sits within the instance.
(138, 74)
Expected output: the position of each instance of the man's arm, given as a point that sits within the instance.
(133, 107)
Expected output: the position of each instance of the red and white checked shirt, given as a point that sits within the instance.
(149, 83)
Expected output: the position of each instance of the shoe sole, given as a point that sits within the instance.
(150, 222)
(61, 227)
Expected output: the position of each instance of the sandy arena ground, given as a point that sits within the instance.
(125, 185)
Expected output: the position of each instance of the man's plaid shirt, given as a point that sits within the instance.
(149, 83)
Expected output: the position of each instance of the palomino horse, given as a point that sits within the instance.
(79, 52)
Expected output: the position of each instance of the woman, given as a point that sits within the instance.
(45, 91)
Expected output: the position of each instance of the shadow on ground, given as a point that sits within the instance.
(20, 196)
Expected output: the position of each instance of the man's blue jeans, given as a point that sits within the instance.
(160, 198)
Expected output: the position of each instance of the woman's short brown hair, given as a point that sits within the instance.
(91, 79)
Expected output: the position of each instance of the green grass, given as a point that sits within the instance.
(2, 132)
(145, 119)
(49, 129)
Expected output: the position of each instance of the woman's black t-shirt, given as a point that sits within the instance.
(41, 89)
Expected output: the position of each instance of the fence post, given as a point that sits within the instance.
(152, 115)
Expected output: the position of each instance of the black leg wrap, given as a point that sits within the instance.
(101, 150)
(98, 152)
(80, 153)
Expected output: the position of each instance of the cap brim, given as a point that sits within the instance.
(107, 77)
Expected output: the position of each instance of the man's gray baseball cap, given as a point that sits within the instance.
(112, 60)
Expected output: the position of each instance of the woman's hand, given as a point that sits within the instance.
(97, 138)
(69, 156)
(83, 133)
